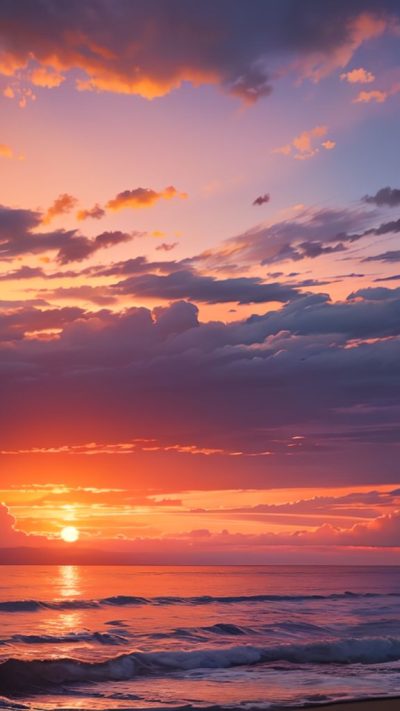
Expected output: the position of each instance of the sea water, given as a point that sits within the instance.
(136, 637)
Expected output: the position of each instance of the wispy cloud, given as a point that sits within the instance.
(64, 204)
(306, 144)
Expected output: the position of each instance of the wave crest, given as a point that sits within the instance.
(18, 675)
(131, 600)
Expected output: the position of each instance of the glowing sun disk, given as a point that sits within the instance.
(69, 534)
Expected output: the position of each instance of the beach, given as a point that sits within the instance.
(364, 705)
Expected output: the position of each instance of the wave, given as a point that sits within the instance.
(36, 605)
(226, 628)
(200, 633)
(131, 600)
(72, 637)
(18, 676)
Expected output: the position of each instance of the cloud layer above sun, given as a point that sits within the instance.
(199, 278)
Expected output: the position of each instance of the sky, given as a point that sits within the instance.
(200, 281)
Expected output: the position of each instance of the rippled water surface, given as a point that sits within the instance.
(231, 637)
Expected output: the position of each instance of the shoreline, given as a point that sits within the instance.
(385, 703)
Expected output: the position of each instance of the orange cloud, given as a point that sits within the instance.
(358, 76)
(96, 212)
(61, 206)
(147, 86)
(20, 93)
(365, 97)
(46, 78)
(304, 144)
(158, 56)
(142, 197)
(377, 95)
(303, 141)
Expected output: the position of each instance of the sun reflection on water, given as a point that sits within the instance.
(69, 581)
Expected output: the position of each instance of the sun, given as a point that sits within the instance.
(69, 534)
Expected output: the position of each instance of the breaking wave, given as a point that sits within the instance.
(18, 676)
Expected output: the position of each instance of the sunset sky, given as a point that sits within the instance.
(200, 280)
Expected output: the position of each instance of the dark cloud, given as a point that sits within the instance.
(377, 293)
(22, 273)
(219, 43)
(386, 228)
(135, 265)
(100, 295)
(391, 256)
(187, 284)
(18, 319)
(14, 223)
(328, 369)
(26, 272)
(262, 199)
(389, 197)
(316, 249)
(394, 277)
(166, 246)
(12, 304)
(310, 234)
(80, 248)
(305, 283)
(356, 504)
(17, 238)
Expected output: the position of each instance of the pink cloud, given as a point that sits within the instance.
(377, 95)
(10, 535)
(358, 76)
(365, 97)
(306, 144)
(381, 532)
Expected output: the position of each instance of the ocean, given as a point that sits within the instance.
(133, 637)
